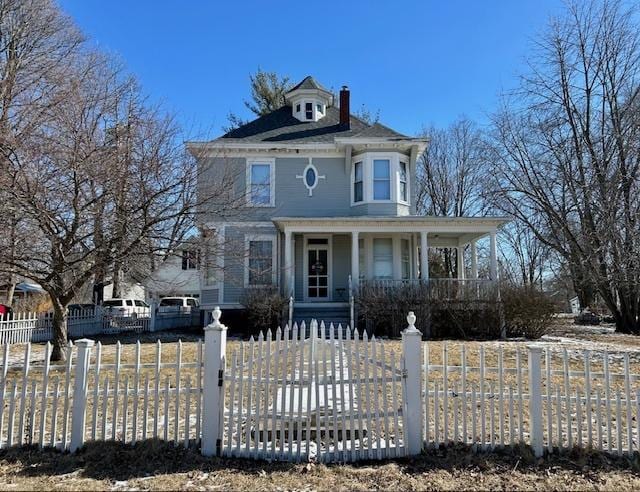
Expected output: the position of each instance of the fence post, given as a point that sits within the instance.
(79, 409)
(291, 312)
(412, 376)
(535, 398)
(215, 343)
(152, 321)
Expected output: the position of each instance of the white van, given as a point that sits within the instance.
(182, 304)
(127, 307)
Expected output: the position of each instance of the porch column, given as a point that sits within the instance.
(494, 256)
(288, 263)
(460, 262)
(474, 260)
(424, 256)
(355, 260)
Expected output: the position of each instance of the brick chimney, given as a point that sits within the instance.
(344, 107)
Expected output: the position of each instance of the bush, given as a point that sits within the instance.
(265, 307)
(384, 312)
(528, 312)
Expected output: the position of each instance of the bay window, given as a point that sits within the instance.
(358, 183)
(381, 179)
(402, 177)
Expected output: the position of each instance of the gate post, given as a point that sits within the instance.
(535, 399)
(79, 408)
(215, 344)
(412, 377)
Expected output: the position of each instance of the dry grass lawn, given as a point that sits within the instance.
(153, 465)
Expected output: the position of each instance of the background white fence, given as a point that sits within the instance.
(323, 393)
(38, 327)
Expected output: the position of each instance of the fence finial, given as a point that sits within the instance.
(411, 319)
(215, 324)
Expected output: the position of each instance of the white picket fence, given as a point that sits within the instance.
(558, 401)
(313, 393)
(323, 393)
(38, 327)
(89, 398)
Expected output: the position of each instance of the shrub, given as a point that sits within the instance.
(265, 306)
(528, 312)
(384, 312)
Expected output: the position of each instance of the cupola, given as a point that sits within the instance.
(309, 100)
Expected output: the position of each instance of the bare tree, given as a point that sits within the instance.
(566, 155)
(450, 177)
(35, 40)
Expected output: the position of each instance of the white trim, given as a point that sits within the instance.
(261, 237)
(367, 159)
(304, 176)
(271, 162)
(305, 267)
(238, 223)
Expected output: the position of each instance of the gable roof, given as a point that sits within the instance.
(281, 126)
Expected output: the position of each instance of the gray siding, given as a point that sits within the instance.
(209, 297)
(234, 258)
(341, 265)
(331, 196)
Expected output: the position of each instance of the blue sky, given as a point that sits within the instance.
(417, 62)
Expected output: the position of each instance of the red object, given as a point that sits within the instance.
(4, 309)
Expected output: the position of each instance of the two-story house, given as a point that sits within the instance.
(330, 203)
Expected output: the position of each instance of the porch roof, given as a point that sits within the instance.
(443, 231)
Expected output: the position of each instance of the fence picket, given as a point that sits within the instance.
(607, 398)
(26, 364)
(45, 394)
(67, 395)
(627, 394)
(136, 393)
(156, 400)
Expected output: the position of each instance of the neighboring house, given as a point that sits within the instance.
(330, 204)
(178, 275)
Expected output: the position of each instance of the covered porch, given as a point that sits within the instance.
(329, 259)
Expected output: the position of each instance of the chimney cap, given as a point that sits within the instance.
(345, 87)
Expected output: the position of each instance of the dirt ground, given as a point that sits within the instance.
(153, 465)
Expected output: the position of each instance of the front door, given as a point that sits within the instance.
(317, 269)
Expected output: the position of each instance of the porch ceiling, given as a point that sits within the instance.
(442, 231)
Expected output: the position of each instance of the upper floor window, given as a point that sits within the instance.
(297, 108)
(260, 183)
(190, 259)
(381, 179)
(308, 109)
(319, 108)
(402, 176)
(358, 183)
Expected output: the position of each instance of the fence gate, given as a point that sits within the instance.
(313, 393)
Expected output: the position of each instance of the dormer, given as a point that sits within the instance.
(309, 100)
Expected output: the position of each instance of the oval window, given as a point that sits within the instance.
(310, 177)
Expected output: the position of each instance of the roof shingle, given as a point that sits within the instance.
(281, 126)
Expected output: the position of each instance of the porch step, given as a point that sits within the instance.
(328, 314)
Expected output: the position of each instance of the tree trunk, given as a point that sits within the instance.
(11, 291)
(59, 352)
(116, 284)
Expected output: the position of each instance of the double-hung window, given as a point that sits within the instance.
(260, 262)
(405, 260)
(358, 182)
(190, 259)
(308, 109)
(383, 258)
(261, 184)
(402, 174)
(381, 179)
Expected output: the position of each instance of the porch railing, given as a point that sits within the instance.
(434, 288)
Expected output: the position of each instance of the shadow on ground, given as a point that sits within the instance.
(117, 462)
